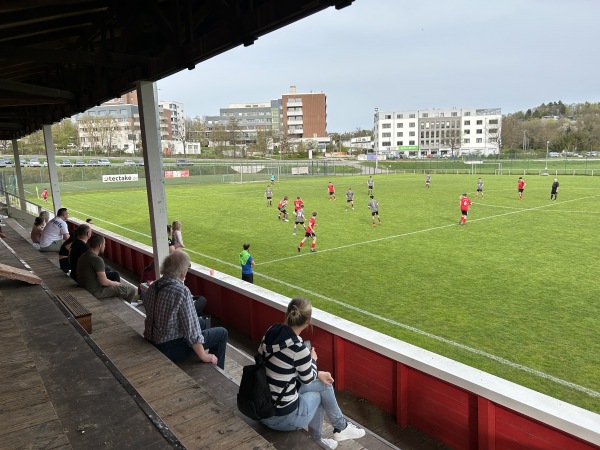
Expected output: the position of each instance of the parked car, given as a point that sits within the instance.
(92, 162)
(554, 155)
(103, 162)
(139, 162)
(8, 163)
(128, 162)
(66, 163)
(79, 163)
(591, 154)
(23, 162)
(183, 162)
(34, 162)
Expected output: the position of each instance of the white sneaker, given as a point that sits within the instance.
(327, 443)
(136, 303)
(2, 217)
(2, 224)
(350, 432)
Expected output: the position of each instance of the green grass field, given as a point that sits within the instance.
(514, 292)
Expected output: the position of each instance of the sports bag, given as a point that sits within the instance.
(254, 397)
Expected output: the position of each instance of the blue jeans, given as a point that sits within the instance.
(315, 399)
(215, 340)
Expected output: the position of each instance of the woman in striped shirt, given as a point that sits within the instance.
(307, 393)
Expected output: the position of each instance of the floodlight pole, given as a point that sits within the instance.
(547, 144)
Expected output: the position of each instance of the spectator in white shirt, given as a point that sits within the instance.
(55, 232)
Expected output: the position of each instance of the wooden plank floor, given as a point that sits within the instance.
(204, 422)
(148, 376)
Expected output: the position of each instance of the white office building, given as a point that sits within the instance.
(437, 132)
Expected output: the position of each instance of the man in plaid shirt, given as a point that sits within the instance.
(171, 321)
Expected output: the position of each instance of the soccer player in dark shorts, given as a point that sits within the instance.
(310, 233)
(464, 209)
(554, 190)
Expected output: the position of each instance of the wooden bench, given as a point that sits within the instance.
(78, 311)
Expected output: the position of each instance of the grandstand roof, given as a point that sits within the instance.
(59, 58)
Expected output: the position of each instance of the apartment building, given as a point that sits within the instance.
(115, 125)
(248, 118)
(295, 117)
(173, 115)
(438, 132)
(304, 114)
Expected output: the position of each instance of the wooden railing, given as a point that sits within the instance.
(458, 405)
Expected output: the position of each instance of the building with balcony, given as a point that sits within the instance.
(438, 132)
(115, 125)
(304, 114)
(295, 117)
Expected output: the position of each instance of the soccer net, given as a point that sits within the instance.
(231, 178)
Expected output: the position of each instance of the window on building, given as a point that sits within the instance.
(441, 114)
(493, 130)
(386, 125)
(425, 115)
(399, 134)
(400, 143)
(411, 125)
(412, 133)
(467, 122)
(479, 131)
(478, 140)
(387, 116)
(411, 116)
(480, 122)
(400, 125)
(386, 135)
(427, 125)
(454, 114)
(467, 132)
(411, 142)
(399, 116)
(493, 122)
(386, 143)
(467, 113)
(467, 141)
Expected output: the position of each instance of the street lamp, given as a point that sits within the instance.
(547, 144)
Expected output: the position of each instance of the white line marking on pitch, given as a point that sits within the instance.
(75, 185)
(409, 233)
(498, 359)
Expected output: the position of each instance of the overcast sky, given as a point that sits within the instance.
(396, 54)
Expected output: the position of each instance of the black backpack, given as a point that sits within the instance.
(254, 397)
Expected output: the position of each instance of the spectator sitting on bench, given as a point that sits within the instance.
(36, 231)
(92, 276)
(79, 247)
(63, 254)
(171, 321)
(55, 232)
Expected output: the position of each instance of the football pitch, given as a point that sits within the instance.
(513, 293)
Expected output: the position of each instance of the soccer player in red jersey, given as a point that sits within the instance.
(464, 209)
(521, 187)
(281, 207)
(310, 233)
(298, 204)
(331, 190)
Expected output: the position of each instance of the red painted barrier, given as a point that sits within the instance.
(455, 404)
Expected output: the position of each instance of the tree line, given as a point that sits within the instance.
(571, 128)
